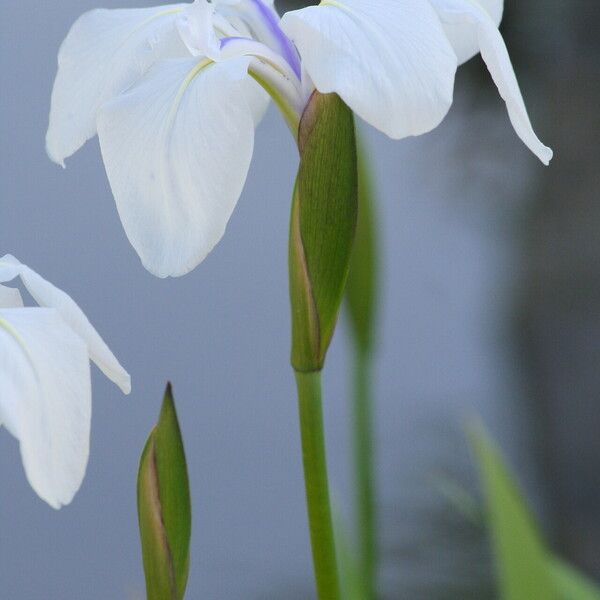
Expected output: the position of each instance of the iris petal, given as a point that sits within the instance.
(10, 297)
(45, 399)
(48, 295)
(177, 148)
(462, 35)
(104, 53)
(467, 13)
(390, 61)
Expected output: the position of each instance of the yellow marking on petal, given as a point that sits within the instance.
(169, 11)
(336, 4)
(205, 62)
(288, 112)
(162, 13)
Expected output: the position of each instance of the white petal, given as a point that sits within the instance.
(10, 268)
(200, 22)
(196, 26)
(45, 399)
(390, 61)
(494, 53)
(10, 297)
(463, 36)
(258, 100)
(46, 294)
(104, 53)
(177, 148)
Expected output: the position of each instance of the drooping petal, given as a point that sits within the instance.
(462, 35)
(467, 13)
(390, 61)
(177, 148)
(10, 297)
(45, 399)
(105, 52)
(48, 295)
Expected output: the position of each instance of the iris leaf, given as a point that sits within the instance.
(361, 287)
(571, 584)
(522, 559)
(349, 569)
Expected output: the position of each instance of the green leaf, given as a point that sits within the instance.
(322, 226)
(349, 569)
(459, 497)
(572, 585)
(361, 287)
(522, 559)
(164, 509)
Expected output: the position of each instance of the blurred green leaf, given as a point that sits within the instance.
(459, 497)
(164, 509)
(522, 560)
(361, 287)
(322, 226)
(349, 569)
(361, 304)
(572, 585)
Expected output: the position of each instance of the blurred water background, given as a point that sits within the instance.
(490, 306)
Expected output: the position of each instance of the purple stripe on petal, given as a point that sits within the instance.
(224, 41)
(287, 49)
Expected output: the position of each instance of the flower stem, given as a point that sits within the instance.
(364, 476)
(316, 484)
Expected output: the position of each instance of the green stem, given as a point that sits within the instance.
(316, 484)
(364, 478)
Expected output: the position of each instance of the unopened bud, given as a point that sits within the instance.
(164, 509)
(322, 226)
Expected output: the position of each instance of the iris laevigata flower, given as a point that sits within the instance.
(175, 93)
(45, 385)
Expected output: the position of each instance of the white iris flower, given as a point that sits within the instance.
(175, 93)
(45, 386)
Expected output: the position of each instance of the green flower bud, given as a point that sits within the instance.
(164, 509)
(322, 226)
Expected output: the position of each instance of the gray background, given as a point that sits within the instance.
(451, 213)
